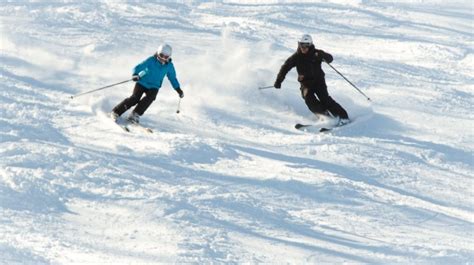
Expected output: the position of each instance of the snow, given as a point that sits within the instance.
(228, 179)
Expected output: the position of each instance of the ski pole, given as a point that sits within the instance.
(264, 87)
(140, 74)
(100, 88)
(348, 81)
(179, 103)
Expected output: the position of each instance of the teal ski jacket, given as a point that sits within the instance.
(155, 72)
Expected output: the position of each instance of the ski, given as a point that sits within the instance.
(118, 121)
(324, 129)
(128, 125)
(300, 126)
(141, 127)
(122, 126)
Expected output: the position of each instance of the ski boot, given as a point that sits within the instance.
(114, 116)
(134, 117)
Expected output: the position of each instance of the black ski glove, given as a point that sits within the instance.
(277, 85)
(180, 92)
(135, 78)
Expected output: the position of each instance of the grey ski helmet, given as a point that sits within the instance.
(306, 39)
(165, 49)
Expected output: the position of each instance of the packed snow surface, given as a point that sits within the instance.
(229, 179)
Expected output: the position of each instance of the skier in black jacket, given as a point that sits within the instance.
(307, 60)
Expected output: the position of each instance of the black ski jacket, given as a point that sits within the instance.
(308, 66)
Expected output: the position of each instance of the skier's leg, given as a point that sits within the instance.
(130, 101)
(145, 102)
(334, 107)
(313, 104)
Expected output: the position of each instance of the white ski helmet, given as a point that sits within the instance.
(306, 38)
(164, 49)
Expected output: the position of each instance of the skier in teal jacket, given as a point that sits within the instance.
(148, 76)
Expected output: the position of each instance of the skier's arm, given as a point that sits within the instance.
(324, 56)
(285, 68)
(141, 66)
(171, 74)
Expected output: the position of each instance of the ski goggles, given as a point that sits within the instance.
(164, 56)
(304, 45)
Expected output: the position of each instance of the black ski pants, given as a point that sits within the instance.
(136, 99)
(323, 102)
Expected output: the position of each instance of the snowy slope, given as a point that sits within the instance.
(229, 180)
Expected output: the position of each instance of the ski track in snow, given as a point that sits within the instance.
(229, 180)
